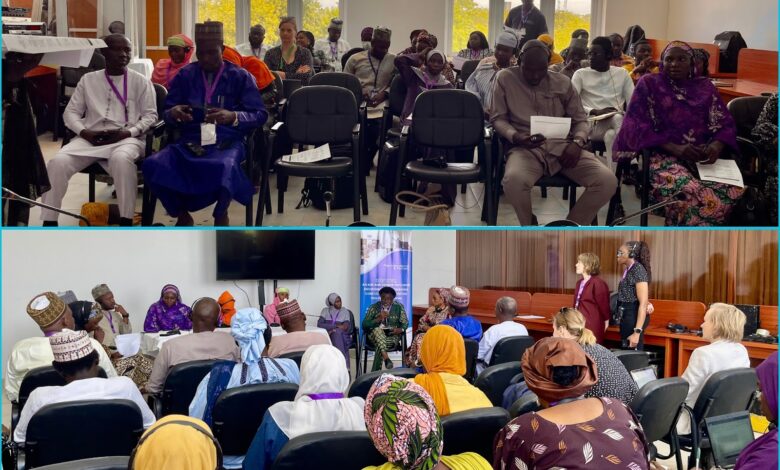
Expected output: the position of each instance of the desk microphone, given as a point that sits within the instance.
(676, 197)
(327, 196)
(12, 196)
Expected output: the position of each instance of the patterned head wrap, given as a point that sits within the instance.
(679, 45)
(247, 328)
(426, 36)
(403, 423)
(540, 359)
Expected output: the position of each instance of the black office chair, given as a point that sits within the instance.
(316, 115)
(525, 404)
(390, 128)
(447, 120)
(510, 349)
(632, 360)
(727, 391)
(355, 343)
(45, 376)
(363, 383)
(366, 347)
(69, 78)
(290, 85)
(495, 379)
(345, 450)
(465, 72)
(82, 429)
(347, 55)
(746, 110)
(658, 406)
(239, 411)
(179, 389)
(296, 356)
(473, 431)
(472, 350)
(95, 463)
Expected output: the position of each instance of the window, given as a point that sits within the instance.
(570, 15)
(220, 10)
(317, 15)
(468, 16)
(267, 13)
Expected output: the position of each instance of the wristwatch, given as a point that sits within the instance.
(638, 331)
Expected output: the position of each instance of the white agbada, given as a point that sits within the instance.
(95, 106)
(323, 370)
(333, 51)
(246, 50)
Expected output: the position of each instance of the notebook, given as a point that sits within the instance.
(729, 434)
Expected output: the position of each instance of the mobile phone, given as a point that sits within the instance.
(196, 149)
(536, 138)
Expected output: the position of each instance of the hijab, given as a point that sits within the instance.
(762, 453)
(227, 307)
(335, 315)
(165, 69)
(320, 404)
(442, 350)
(170, 288)
(171, 444)
(540, 359)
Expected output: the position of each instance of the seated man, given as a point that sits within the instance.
(603, 89)
(465, 324)
(255, 46)
(578, 51)
(374, 68)
(506, 311)
(528, 158)
(643, 61)
(114, 318)
(334, 46)
(76, 360)
(203, 343)
(109, 112)
(53, 316)
(293, 321)
(383, 325)
(480, 82)
(204, 166)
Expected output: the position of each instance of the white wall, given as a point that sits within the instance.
(650, 14)
(137, 264)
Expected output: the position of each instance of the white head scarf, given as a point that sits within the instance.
(323, 371)
(247, 328)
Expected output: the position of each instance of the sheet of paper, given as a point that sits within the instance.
(309, 156)
(550, 127)
(601, 117)
(722, 171)
(44, 44)
(530, 317)
(129, 344)
(77, 58)
(457, 62)
(208, 134)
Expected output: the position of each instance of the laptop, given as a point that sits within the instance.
(643, 375)
(729, 434)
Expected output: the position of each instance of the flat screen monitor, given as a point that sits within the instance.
(271, 254)
(729, 434)
(643, 376)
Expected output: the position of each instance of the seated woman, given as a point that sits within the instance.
(701, 61)
(420, 71)
(643, 63)
(443, 355)
(253, 336)
(305, 39)
(168, 313)
(571, 431)
(180, 49)
(477, 48)
(410, 436)
(723, 326)
(614, 381)
(463, 323)
(437, 312)
(287, 59)
(337, 320)
(282, 294)
(681, 118)
(555, 58)
(176, 441)
(227, 308)
(383, 325)
(765, 135)
(319, 406)
(762, 453)
(257, 68)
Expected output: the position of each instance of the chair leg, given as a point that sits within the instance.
(645, 186)
(544, 192)
(280, 201)
(357, 190)
(268, 198)
(463, 188)
(572, 195)
(91, 187)
(148, 205)
(565, 193)
(364, 195)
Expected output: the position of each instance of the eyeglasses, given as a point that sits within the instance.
(621, 252)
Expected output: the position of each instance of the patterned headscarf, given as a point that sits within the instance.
(402, 421)
(247, 328)
(540, 359)
(685, 47)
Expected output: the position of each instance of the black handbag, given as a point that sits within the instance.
(751, 210)
(616, 314)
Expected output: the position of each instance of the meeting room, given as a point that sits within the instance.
(389, 113)
(389, 349)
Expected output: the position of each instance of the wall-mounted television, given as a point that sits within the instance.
(266, 254)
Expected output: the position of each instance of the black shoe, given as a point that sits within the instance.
(51, 223)
(125, 222)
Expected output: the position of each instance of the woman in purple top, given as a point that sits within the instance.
(337, 320)
(168, 313)
(420, 72)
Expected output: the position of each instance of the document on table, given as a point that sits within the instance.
(722, 171)
(550, 127)
(129, 344)
(70, 52)
(309, 156)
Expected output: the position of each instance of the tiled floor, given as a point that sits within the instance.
(467, 211)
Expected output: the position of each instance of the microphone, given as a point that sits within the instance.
(674, 198)
(328, 197)
(12, 196)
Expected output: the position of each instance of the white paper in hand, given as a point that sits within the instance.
(722, 171)
(309, 156)
(551, 127)
(129, 344)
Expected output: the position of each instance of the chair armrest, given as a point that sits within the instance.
(277, 127)
(488, 132)
(363, 105)
(155, 403)
(158, 128)
(356, 129)
(405, 131)
(21, 457)
(16, 411)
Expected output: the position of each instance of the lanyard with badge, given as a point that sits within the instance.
(123, 97)
(208, 130)
(334, 51)
(376, 70)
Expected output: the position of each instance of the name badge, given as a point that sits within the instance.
(521, 32)
(208, 134)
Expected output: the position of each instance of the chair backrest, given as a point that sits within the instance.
(472, 350)
(96, 463)
(290, 85)
(468, 68)
(632, 360)
(70, 76)
(180, 386)
(746, 110)
(345, 450)
(397, 95)
(279, 85)
(448, 119)
(657, 405)
(362, 384)
(495, 379)
(74, 430)
(727, 391)
(341, 80)
(239, 411)
(510, 349)
(347, 55)
(44, 376)
(296, 356)
(160, 94)
(525, 404)
(473, 431)
(321, 113)
(98, 61)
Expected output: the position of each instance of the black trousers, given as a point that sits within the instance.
(630, 310)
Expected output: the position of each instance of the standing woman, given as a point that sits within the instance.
(337, 321)
(287, 59)
(591, 295)
(633, 293)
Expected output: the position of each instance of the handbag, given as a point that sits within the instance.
(436, 212)
(616, 314)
